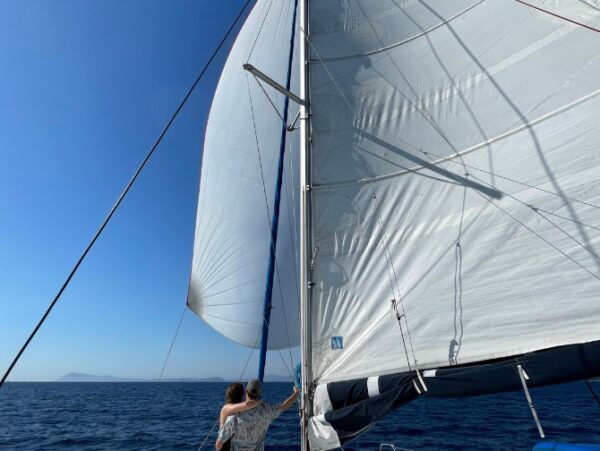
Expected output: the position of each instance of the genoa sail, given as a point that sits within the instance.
(236, 200)
(455, 196)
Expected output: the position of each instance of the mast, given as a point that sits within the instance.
(275, 218)
(305, 245)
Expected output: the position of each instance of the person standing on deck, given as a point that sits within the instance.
(247, 429)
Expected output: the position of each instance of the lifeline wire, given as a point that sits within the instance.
(123, 194)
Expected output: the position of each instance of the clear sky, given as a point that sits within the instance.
(86, 86)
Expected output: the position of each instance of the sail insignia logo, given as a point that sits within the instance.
(337, 342)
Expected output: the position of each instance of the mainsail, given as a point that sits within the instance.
(236, 200)
(455, 195)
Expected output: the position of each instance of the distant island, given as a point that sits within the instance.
(83, 377)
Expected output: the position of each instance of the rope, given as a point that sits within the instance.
(329, 73)
(269, 98)
(579, 243)
(142, 431)
(262, 174)
(456, 342)
(123, 194)
(542, 238)
(567, 219)
(388, 258)
(559, 16)
(172, 343)
(287, 331)
(508, 179)
(589, 386)
(259, 31)
(282, 359)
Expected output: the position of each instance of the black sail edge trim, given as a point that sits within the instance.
(354, 412)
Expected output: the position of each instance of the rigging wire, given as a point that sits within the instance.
(162, 371)
(125, 191)
(559, 16)
(269, 98)
(589, 386)
(537, 211)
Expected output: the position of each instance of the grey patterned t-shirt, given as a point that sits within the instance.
(249, 428)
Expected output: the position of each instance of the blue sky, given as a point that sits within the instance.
(86, 86)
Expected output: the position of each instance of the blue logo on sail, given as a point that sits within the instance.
(337, 342)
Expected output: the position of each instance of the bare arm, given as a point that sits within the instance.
(225, 432)
(285, 405)
(232, 409)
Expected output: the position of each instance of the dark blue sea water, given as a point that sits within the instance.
(178, 416)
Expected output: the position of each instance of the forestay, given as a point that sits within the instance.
(456, 171)
(239, 164)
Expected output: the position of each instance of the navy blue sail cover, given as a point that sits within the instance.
(351, 407)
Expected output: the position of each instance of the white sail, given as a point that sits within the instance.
(239, 166)
(455, 169)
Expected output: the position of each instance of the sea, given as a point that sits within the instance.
(182, 416)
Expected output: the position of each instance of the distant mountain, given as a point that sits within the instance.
(83, 377)
(191, 379)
